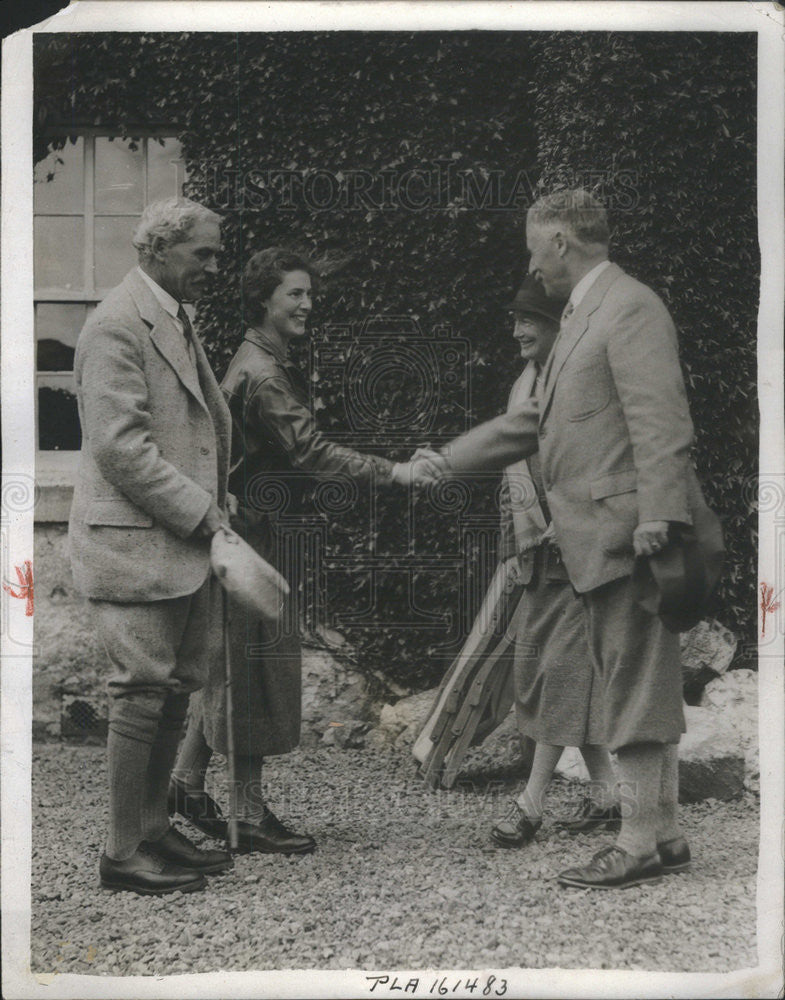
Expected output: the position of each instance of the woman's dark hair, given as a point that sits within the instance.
(265, 271)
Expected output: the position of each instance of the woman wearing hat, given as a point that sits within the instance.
(276, 451)
(557, 698)
(533, 608)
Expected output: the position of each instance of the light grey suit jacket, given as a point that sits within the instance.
(155, 452)
(612, 426)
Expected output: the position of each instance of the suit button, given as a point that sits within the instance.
(205, 451)
(541, 431)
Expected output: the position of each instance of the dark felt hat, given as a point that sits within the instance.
(531, 298)
(677, 582)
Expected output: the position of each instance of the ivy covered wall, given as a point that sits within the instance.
(670, 118)
(410, 158)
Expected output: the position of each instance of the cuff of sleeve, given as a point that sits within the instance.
(188, 524)
(677, 514)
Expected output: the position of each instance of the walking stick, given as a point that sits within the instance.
(233, 842)
(257, 589)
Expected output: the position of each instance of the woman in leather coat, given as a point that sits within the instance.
(277, 450)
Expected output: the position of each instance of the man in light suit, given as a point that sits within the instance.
(148, 498)
(613, 430)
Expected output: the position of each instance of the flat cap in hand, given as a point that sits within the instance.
(677, 582)
(248, 579)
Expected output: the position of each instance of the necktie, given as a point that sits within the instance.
(188, 333)
(188, 330)
(569, 309)
(538, 379)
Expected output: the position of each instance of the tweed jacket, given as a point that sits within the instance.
(155, 452)
(274, 433)
(612, 427)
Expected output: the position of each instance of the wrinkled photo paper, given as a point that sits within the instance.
(402, 145)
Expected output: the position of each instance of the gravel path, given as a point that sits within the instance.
(403, 878)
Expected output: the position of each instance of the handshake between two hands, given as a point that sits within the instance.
(424, 467)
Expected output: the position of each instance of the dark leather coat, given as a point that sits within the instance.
(274, 432)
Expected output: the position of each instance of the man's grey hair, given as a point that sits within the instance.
(576, 210)
(171, 219)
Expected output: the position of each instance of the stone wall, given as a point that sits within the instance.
(68, 657)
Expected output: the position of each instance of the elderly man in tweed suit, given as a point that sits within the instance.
(613, 431)
(148, 498)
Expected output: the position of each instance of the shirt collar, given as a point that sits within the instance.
(583, 286)
(168, 303)
(267, 343)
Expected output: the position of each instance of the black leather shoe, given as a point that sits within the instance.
(270, 836)
(516, 829)
(198, 808)
(674, 854)
(147, 873)
(613, 868)
(591, 817)
(178, 850)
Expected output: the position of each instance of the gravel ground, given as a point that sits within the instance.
(403, 878)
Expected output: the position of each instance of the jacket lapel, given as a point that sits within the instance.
(199, 381)
(572, 331)
(216, 407)
(168, 340)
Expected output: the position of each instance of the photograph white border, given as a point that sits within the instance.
(18, 423)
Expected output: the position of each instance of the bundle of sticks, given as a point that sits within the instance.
(476, 692)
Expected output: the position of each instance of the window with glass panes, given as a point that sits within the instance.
(87, 200)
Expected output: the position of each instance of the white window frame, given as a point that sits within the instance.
(56, 470)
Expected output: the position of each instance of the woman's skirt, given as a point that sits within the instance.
(266, 671)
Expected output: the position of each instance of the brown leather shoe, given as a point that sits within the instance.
(613, 868)
(591, 817)
(675, 855)
(148, 874)
(198, 808)
(270, 836)
(177, 849)
(516, 829)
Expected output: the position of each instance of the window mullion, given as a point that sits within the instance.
(89, 216)
(145, 140)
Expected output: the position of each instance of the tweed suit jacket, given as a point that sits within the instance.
(155, 452)
(612, 426)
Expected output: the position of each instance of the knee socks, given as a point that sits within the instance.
(640, 775)
(155, 814)
(133, 728)
(668, 814)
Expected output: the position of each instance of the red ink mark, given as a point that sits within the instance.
(25, 578)
(767, 605)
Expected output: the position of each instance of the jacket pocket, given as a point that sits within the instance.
(617, 500)
(114, 512)
(590, 392)
(624, 481)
